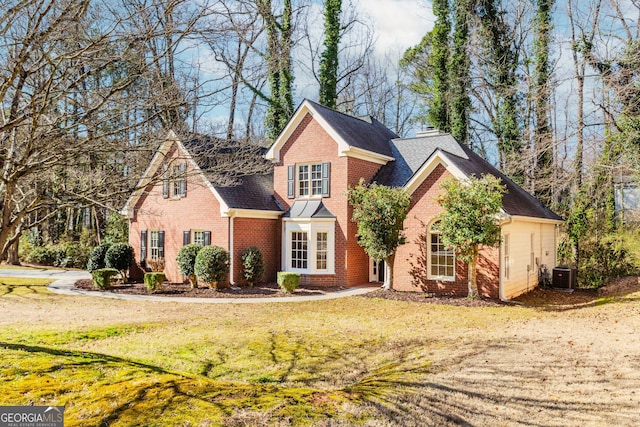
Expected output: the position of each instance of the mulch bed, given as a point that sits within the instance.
(426, 298)
(170, 289)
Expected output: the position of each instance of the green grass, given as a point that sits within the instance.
(22, 286)
(201, 365)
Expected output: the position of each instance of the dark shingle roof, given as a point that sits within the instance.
(369, 134)
(253, 192)
(411, 153)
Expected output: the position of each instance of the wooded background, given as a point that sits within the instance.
(546, 91)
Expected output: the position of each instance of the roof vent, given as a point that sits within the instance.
(430, 131)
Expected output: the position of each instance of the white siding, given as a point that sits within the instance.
(531, 245)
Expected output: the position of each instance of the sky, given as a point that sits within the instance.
(398, 24)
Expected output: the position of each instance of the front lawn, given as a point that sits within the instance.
(352, 361)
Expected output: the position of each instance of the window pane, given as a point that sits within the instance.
(316, 179)
(442, 260)
(299, 249)
(321, 251)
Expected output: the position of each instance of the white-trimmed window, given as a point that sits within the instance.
(506, 255)
(309, 246)
(198, 237)
(308, 180)
(156, 244)
(441, 260)
(299, 250)
(174, 184)
(321, 250)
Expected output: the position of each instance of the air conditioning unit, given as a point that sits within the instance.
(564, 278)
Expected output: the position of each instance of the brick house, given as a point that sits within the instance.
(299, 217)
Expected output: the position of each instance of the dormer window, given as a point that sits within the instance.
(308, 180)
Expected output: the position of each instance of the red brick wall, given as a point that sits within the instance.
(311, 143)
(410, 272)
(199, 210)
(262, 233)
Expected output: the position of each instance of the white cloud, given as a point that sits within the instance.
(397, 24)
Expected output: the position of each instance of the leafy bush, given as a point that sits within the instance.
(607, 258)
(288, 281)
(73, 255)
(187, 260)
(153, 281)
(119, 256)
(102, 277)
(253, 264)
(212, 265)
(42, 255)
(96, 257)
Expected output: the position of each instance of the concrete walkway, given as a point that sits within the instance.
(66, 279)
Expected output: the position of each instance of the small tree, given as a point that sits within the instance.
(212, 265)
(470, 219)
(253, 264)
(119, 256)
(379, 212)
(186, 262)
(96, 257)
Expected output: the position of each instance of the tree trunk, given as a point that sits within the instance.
(472, 279)
(388, 277)
(12, 254)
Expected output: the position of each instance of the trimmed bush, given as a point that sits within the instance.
(42, 255)
(153, 281)
(119, 256)
(288, 281)
(96, 257)
(102, 277)
(187, 260)
(212, 265)
(253, 264)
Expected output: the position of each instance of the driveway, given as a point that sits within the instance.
(65, 284)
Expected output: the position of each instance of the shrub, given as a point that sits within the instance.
(72, 254)
(42, 255)
(153, 281)
(604, 259)
(212, 265)
(119, 256)
(96, 257)
(253, 264)
(156, 264)
(102, 277)
(187, 260)
(288, 281)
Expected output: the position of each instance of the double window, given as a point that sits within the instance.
(199, 237)
(308, 180)
(441, 259)
(310, 247)
(174, 180)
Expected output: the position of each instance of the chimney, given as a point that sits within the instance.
(430, 131)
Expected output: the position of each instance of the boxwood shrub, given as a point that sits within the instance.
(119, 256)
(96, 257)
(186, 262)
(288, 281)
(253, 264)
(102, 277)
(154, 280)
(212, 265)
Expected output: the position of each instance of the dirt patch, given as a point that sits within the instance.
(422, 297)
(184, 290)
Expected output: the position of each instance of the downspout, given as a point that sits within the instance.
(231, 257)
(501, 284)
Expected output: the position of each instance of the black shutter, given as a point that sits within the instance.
(206, 235)
(165, 181)
(160, 244)
(143, 245)
(186, 237)
(291, 181)
(326, 174)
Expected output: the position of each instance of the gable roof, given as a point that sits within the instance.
(249, 192)
(356, 137)
(416, 155)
